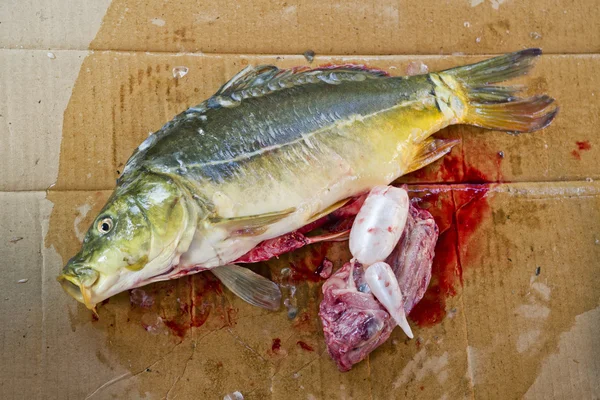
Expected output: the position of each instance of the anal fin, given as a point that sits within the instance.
(430, 150)
(251, 287)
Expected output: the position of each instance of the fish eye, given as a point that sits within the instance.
(105, 225)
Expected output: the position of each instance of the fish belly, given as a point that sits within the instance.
(320, 169)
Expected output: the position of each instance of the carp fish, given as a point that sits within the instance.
(273, 151)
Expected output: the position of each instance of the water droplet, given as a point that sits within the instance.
(309, 55)
(467, 24)
(535, 35)
(234, 396)
(501, 154)
(154, 324)
(158, 21)
(180, 72)
(292, 312)
(140, 298)
(416, 68)
(478, 40)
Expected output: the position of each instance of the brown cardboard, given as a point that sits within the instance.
(78, 97)
(350, 27)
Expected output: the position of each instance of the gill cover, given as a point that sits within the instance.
(139, 233)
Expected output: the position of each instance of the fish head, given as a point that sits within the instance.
(138, 235)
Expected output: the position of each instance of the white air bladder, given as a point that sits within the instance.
(376, 231)
(379, 224)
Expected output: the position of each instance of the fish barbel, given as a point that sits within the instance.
(274, 150)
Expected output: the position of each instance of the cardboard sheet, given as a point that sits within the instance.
(513, 309)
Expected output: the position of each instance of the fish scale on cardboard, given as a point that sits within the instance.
(460, 357)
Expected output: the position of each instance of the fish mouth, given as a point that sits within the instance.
(74, 288)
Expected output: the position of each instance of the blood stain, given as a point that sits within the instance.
(184, 304)
(581, 146)
(303, 322)
(307, 267)
(276, 346)
(177, 328)
(305, 346)
(585, 145)
(458, 210)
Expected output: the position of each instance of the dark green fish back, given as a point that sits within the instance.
(262, 109)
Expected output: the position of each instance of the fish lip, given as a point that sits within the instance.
(75, 288)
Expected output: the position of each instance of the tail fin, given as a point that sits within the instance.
(498, 107)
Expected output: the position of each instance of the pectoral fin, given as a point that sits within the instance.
(251, 225)
(328, 210)
(429, 151)
(249, 286)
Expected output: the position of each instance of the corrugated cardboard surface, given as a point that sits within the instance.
(521, 314)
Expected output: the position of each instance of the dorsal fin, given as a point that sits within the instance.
(256, 81)
(250, 76)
